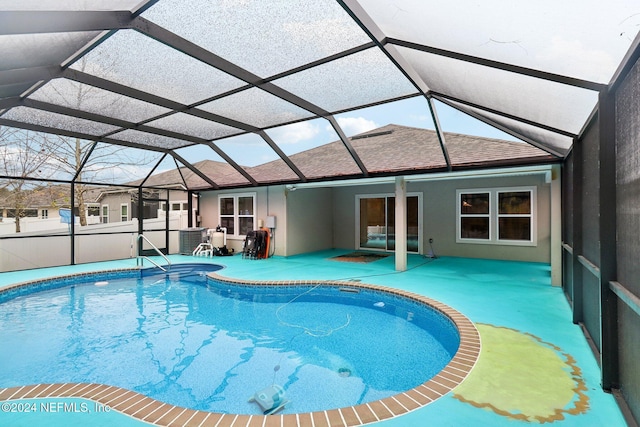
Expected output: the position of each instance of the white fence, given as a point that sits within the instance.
(32, 250)
(30, 224)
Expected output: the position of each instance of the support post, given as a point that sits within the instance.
(72, 225)
(577, 184)
(556, 226)
(166, 224)
(401, 224)
(140, 221)
(608, 249)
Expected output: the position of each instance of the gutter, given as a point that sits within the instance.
(439, 176)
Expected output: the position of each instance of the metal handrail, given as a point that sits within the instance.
(140, 258)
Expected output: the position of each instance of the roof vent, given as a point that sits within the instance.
(371, 135)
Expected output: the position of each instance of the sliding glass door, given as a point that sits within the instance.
(376, 225)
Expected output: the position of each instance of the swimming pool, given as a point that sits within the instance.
(311, 356)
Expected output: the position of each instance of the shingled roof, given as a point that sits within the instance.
(401, 149)
(222, 172)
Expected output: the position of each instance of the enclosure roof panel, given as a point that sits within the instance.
(263, 37)
(584, 39)
(196, 75)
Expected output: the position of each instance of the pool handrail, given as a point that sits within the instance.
(140, 258)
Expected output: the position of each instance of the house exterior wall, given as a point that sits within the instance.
(304, 218)
(270, 201)
(440, 217)
(309, 220)
(314, 219)
(115, 201)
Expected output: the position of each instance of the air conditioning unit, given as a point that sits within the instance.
(190, 238)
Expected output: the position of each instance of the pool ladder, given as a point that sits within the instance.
(140, 258)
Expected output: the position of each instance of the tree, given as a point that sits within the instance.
(71, 153)
(50, 156)
(26, 155)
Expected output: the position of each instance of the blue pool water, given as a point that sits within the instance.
(190, 341)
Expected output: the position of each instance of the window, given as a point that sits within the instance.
(124, 212)
(93, 210)
(105, 214)
(514, 215)
(178, 206)
(45, 213)
(237, 213)
(475, 220)
(504, 216)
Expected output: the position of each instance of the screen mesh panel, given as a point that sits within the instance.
(264, 37)
(359, 79)
(591, 195)
(58, 121)
(31, 50)
(256, 107)
(556, 143)
(194, 126)
(559, 106)
(68, 93)
(628, 180)
(137, 61)
(150, 139)
(579, 39)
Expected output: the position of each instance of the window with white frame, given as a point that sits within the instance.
(93, 210)
(104, 217)
(499, 215)
(236, 212)
(124, 212)
(45, 214)
(474, 215)
(179, 206)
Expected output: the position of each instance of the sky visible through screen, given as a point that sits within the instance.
(251, 150)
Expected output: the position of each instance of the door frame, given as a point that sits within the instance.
(386, 196)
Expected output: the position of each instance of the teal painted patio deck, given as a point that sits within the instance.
(510, 296)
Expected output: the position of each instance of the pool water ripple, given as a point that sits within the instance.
(170, 324)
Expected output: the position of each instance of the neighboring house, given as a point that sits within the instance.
(117, 204)
(498, 196)
(42, 209)
(41, 202)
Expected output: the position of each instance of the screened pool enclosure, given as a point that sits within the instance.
(123, 112)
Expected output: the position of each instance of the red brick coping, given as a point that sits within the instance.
(155, 412)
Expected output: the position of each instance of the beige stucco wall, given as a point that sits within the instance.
(270, 201)
(439, 217)
(309, 220)
(314, 219)
(115, 201)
